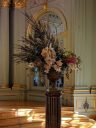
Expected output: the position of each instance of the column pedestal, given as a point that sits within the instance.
(53, 108)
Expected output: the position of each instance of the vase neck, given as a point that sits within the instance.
(52, 84)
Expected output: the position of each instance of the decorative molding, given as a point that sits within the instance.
(20, 3)
(86, 105)
(84, 101)
(57, 12)
(17, 3)
(34, 94)
(4, 3)
(24, 3)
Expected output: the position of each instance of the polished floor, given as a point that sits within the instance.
(32, 115)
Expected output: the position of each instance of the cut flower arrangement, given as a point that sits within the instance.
(42, 50)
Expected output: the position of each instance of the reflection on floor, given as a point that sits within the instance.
(32, 115)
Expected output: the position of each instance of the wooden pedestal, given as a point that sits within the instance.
(53, 108)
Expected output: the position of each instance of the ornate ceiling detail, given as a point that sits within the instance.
(4, 3)
(17, 3)
(23, 3)
(20, 3)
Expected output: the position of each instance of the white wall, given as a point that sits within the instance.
(4, 46)
(93, 75)
(19, 32)
(85, 46)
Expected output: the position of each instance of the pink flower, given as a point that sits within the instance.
(48, 52)
(59, 63)
(57, 68)
(47, 68)
(72, 59)
(49, 61)
(44, 52)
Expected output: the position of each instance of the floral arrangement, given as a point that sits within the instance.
(41, 49)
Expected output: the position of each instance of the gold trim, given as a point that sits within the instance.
(20, 4)
(17, 3)
(37, 15)
(4, 3)
(56, 11)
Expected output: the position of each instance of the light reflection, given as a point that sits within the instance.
(75, 114)
(30, 119)
(22, 112)
(94, 126)
(68, 120)
(43, 124)
(13, 109)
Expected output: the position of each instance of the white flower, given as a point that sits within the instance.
(73, 66)
(57, 68)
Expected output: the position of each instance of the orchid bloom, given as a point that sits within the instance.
(44, 52)
(49, 61)
(59, 63)
(57, 68)
(48, 52)
(47, 68)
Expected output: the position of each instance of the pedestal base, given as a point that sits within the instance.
(53, 108)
